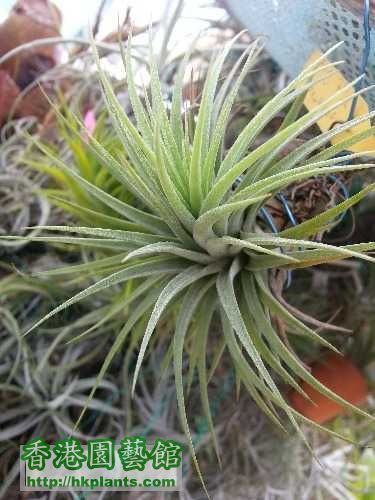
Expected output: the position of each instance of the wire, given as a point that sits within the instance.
(268, 218)
(365, 56)
(358, 86)
(287, 209)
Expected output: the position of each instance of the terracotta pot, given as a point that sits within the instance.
(342, 377)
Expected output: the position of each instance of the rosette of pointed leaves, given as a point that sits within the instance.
(67, 194)
(192, 241)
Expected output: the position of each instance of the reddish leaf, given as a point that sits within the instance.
(8, 93)
(35, 104)
(29, 20)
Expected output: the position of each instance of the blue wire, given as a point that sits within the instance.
(365, 56)
(358, 86)
(287, 209)
(342, 186)
(294, 223)
(268, 218)
(344, 191)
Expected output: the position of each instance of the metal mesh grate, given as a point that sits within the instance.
(338, 24)
(295, 28)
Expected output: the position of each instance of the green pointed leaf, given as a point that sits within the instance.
(321, 222)
(172, 249)
(144, 269)
(190, 303)
(174, 287)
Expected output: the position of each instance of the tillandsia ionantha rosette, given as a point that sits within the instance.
(189, 240)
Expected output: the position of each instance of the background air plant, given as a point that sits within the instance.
(43, 381)
(190, 245)
(68, 195)
(254, 464)
(21, 205)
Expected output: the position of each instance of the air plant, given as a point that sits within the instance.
(20, 205)
(43, 381)
(254, 464)
(67, 195)
(191, 245)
